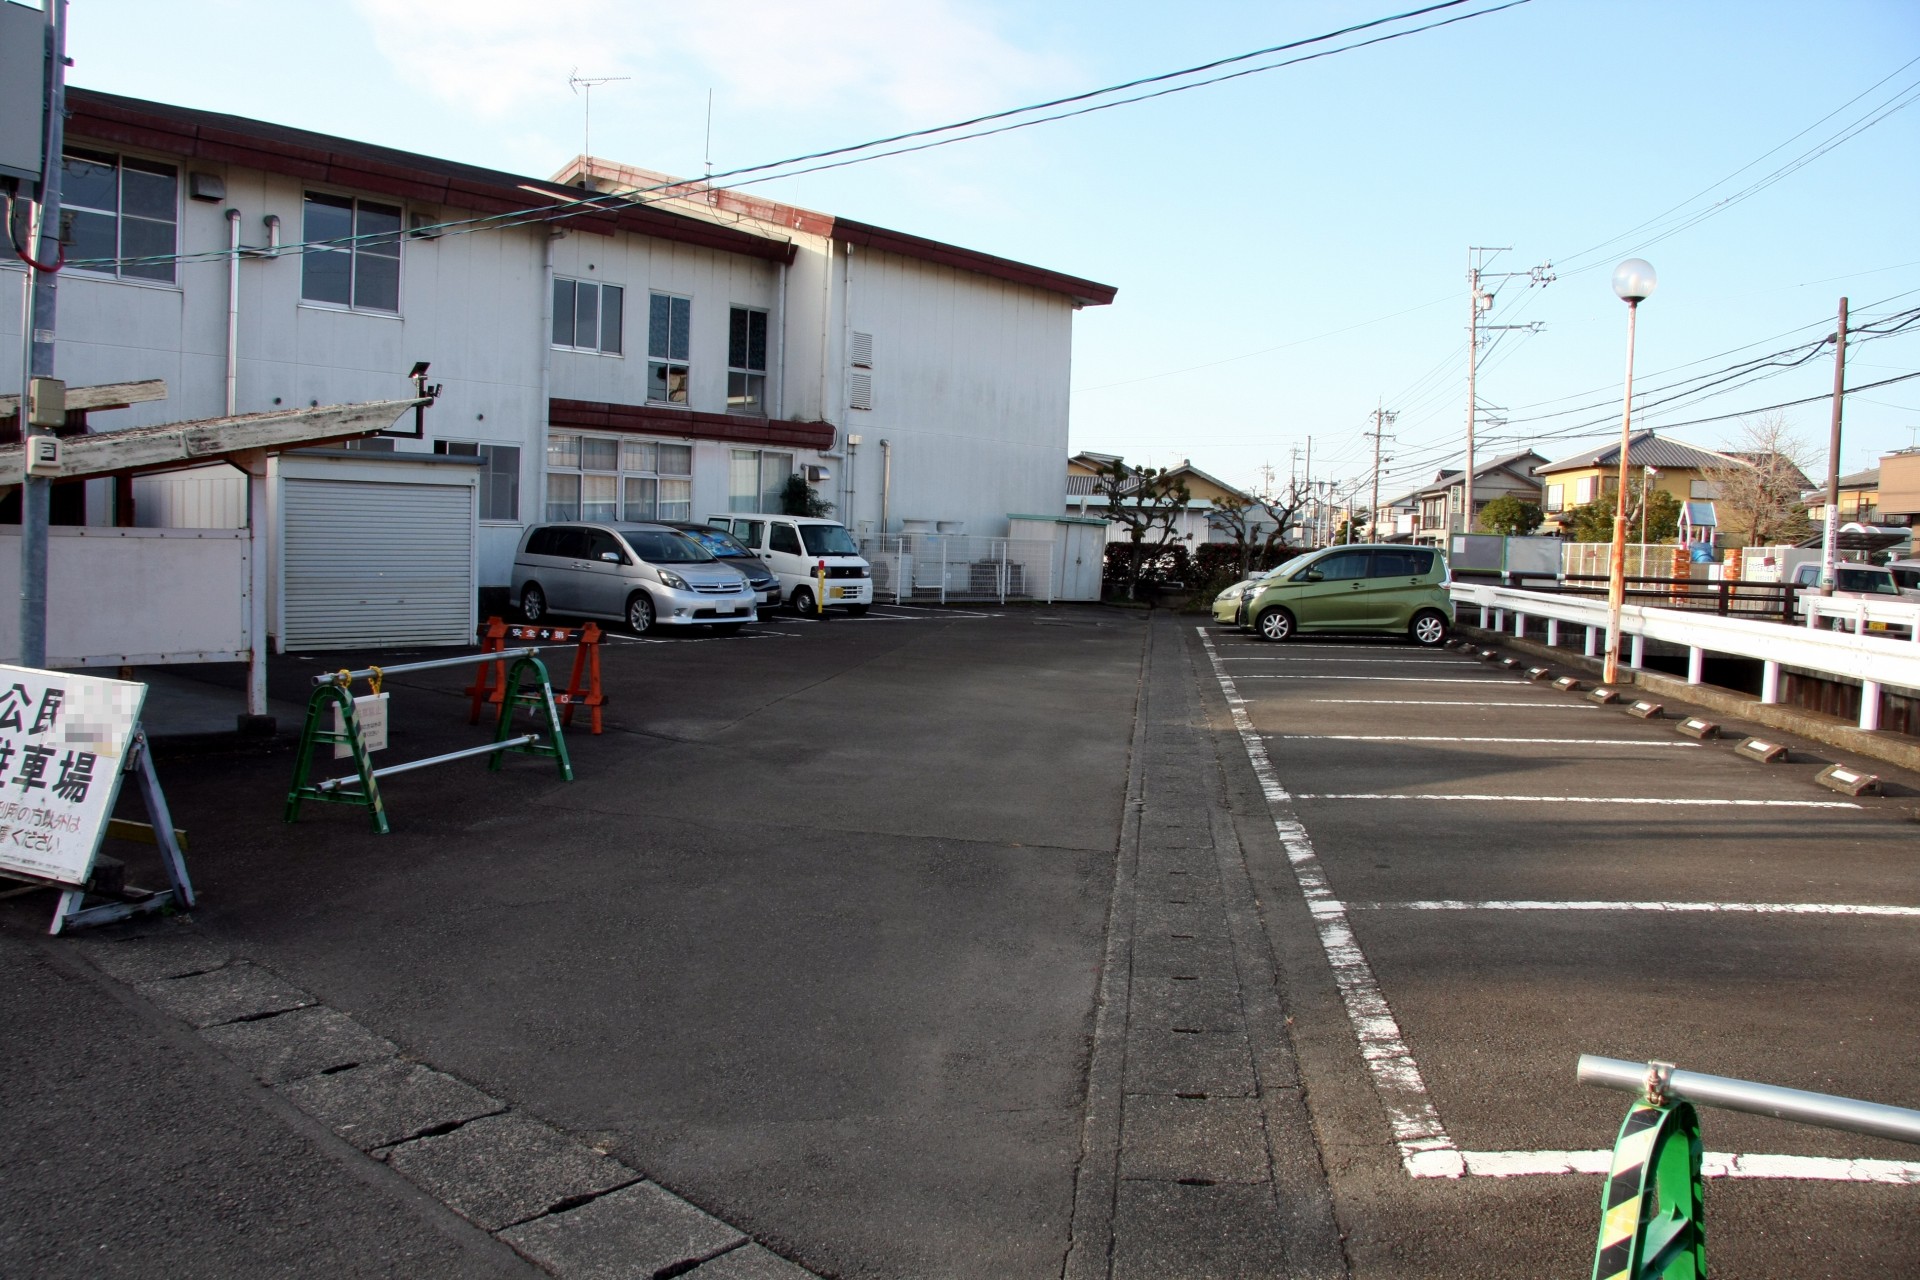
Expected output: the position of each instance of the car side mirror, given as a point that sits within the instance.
(611, 557)
(1313, 575)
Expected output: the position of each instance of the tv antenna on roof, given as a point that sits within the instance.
(585, 85)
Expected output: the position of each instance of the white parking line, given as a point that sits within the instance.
(1426, 1149)
(1431, 662)
(1713, 1164)
(1733, 908)
(1394, 737)
(1489, 678)
(1713, 802)
(1429, 702)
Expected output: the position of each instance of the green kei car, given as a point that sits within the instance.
(1394, 590)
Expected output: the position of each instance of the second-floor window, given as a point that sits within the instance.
(587, 316)
(747, 362)
(125, 214)
(352, 254)
(669, 342)
(1556, 497)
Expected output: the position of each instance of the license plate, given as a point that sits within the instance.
(1879, 626)
(837, 593)
(725, 608)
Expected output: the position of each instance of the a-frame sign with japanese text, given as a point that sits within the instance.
(66, 741)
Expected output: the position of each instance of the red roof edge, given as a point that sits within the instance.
(658, 420)
(1085, 292)
(298, 153)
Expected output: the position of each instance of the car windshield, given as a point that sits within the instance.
(717, 541)
(1286, 567)
(1868, 582)
(664, 546)
(827, 540)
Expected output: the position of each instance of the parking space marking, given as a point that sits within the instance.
(1431, 662)
(1426, 1149)
(1736, 908)
(1489, 678)
(1712, 802)
(1713, 1164)
(1429, 702)
(1400, 737)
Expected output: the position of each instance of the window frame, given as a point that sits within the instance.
(600, 288)
(764, 499)
(119, 215)
(491, 475)
(660, 354)
(744, 372)
(575, 475)
(354, 251)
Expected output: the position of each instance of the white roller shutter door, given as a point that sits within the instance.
(375, 565)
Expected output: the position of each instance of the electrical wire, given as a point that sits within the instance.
(774, 170)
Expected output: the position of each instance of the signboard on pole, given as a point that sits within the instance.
(63, 747)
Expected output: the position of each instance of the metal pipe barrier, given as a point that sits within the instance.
(526, 685)
(1824, 1109)
(1653, 1203)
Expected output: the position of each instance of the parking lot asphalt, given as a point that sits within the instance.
(1501, 876)
(812, 942)
(1064, 941)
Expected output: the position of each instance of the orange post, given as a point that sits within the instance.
(586, 666)
(491, 677)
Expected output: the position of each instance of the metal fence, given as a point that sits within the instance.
(947, 568)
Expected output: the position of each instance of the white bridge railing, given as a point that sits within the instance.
(1872, 660)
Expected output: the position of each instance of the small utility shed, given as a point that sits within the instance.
(1078, 551)
(375, 549)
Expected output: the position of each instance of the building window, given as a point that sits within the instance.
(611, 478)
(1556, 497)
(125, 214)
(1583, 491)
(755, 478)
(669, 322)
(747, 362)
(587, 316)
(352, 253)
(499, 475)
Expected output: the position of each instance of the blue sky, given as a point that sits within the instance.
(1290, 248)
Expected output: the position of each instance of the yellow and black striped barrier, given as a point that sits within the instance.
(1653, 1207)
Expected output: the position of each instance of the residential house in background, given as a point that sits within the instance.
(1678, 469)
(1899, 488)
(1437, 506)
(1194, 526)
(1859, 499)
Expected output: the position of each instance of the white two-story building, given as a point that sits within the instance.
(666, 355)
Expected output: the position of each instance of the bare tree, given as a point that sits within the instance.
(1758, 490)
(1258, 525)
(1145, 501)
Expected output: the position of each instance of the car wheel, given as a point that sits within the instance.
(640, 613)
(728, 628)
(801, 600)
(1428, 628)
(858, 610)
(533, 602)
(1275, 624)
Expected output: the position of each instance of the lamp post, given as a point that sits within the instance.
(1634, 281)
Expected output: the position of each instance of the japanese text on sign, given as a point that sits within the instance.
(62, 741)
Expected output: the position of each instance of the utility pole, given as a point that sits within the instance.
(1830, 535)
(1313, 529)
(1481, 300)
(36, 331)
(1382, 419)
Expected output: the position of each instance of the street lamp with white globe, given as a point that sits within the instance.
(1634, 281)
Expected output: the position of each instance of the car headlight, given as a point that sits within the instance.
(668, 578)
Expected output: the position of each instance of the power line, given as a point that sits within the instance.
(767, 170)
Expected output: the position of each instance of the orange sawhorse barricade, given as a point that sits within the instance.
(583, 689)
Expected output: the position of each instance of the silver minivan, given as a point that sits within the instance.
(644, 575)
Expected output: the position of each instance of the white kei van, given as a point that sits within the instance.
(795, 547)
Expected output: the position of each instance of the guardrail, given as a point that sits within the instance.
(1871, 660)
